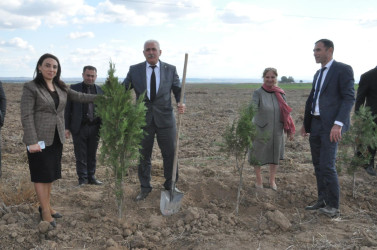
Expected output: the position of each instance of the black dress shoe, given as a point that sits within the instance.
(317, 205)
(95, 182)
(329, 211)
(142, 195)
(370, 170)
(82, 183)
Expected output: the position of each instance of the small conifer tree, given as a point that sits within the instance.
(121, 130)
(238, 138)
(353, 148)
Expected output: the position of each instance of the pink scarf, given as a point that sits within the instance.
(285, 110)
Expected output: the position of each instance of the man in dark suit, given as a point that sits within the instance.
(3, 105)
(84, 127)
(327, 116)
(367, 95)
(158, 80)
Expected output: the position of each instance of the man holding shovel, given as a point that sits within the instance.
(158, 80)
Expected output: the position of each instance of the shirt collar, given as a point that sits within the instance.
(157, 64)
(328, 65)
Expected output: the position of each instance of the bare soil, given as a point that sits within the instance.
(267, 219)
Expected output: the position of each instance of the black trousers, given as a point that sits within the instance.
(85, 147)
(166, 142)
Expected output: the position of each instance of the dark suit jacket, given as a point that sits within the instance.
(3, 104)
(73, 110)
(160, 109)
(40, 118)
(367, 91)
(336, 98)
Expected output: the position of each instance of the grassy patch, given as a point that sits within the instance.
(22, 193)
(250, 86)
(285, 86)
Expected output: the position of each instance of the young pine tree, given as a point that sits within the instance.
(121, 131)
(353, 148)
(238, 138)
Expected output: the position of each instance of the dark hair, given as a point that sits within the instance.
(89, 67)
(38, 77)
(326, 42)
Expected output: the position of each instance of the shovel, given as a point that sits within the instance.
(170, 199)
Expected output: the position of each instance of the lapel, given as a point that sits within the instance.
(143, 73)
(61, 95)
(46, 95)
(329, 75)
(163, 69)
(79, 87)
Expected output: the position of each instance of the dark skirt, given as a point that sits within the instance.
(45, 166)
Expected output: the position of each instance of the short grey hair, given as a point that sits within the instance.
(152, 41)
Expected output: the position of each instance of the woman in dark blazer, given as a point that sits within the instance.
(42, 115)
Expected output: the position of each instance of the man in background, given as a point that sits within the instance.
(3, 106)
(327, 116)
(81, 122)
(367, 96)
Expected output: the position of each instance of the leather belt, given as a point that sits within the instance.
(317, 117)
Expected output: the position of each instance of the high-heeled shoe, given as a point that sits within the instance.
(53, 222)
(55, 215)
(40, 212)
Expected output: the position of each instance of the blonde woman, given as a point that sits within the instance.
(272, 119)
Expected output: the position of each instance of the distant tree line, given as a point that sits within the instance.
(285, 79)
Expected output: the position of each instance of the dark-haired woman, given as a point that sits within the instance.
(42, 115)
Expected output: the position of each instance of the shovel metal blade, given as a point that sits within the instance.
(170, 202)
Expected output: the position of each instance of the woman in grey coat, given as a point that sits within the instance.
(272, 119)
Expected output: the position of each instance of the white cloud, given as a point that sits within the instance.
(240, 13)
(13, 21)
(30, 14)
(78, 35)
(17, 43)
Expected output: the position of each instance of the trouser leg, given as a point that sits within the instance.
(144, 169)
(92, 145)
(80, 149)
(166, 142)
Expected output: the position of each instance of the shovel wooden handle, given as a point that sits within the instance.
(175, 162)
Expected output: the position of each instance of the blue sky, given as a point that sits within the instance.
(224, 39)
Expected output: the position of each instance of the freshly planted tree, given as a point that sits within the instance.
(353, 148)
(121, 130)
(238, 138)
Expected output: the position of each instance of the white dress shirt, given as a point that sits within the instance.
(149, 74)
(324, 74)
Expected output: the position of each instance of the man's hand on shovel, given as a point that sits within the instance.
(181, 108)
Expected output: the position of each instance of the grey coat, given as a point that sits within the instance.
(268, 147)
